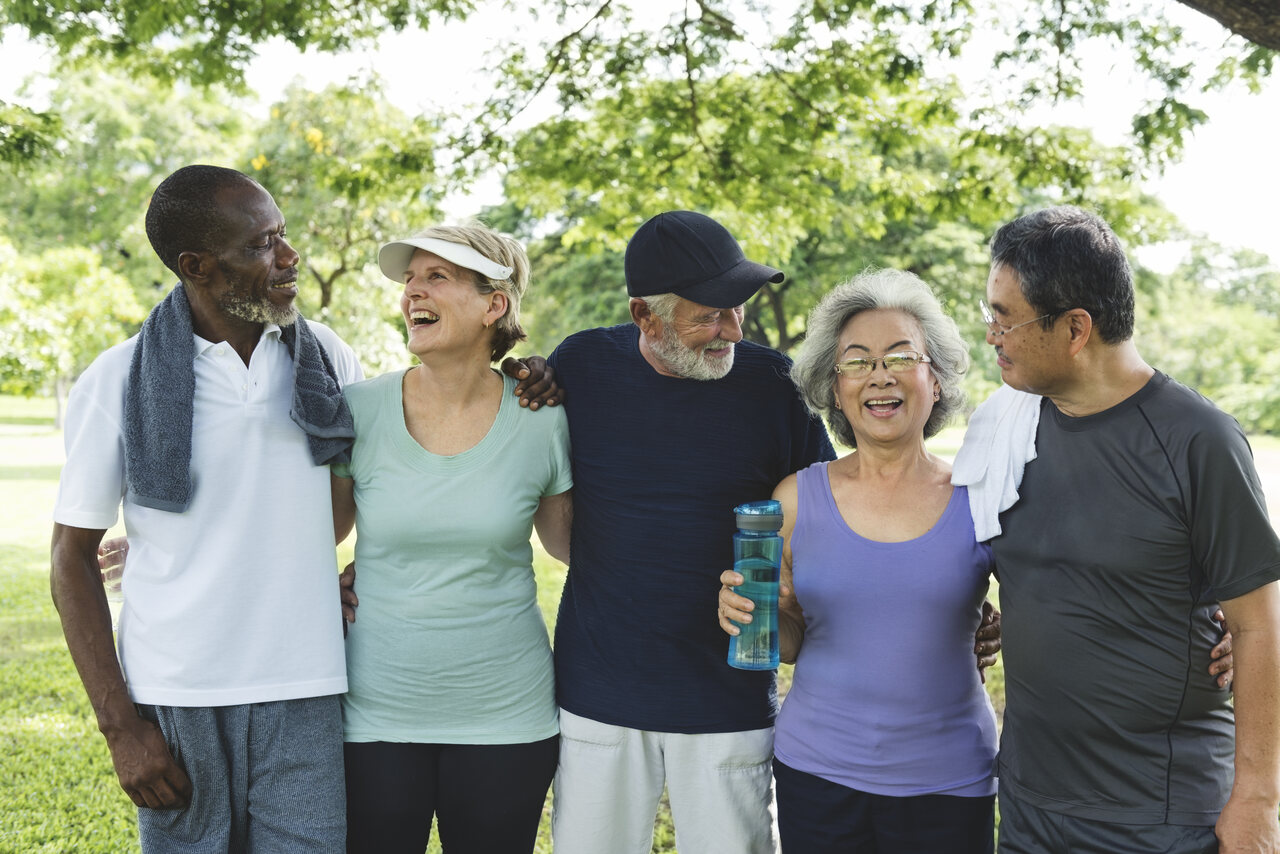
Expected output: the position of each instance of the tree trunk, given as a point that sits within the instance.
(1256, 20)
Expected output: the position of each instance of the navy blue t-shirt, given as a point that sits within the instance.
(658, 465)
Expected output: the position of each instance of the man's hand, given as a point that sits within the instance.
(347, 594)
(537, 384)
(146, 768)
(111, 558)
(986, 641)
(1222, 664)
(1248, 827)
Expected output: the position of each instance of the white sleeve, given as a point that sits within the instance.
(340, 353)
(92, 481)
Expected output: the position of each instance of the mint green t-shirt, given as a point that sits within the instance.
(449, 645)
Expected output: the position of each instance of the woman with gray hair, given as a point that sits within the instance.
(886, 749)
(451, 710)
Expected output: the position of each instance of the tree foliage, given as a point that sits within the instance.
(828, 135)
(1213, 324)
(351, 168)
(350, 172)
(61, 309)
(602, 46)
(124, 134)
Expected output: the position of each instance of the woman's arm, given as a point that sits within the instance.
(344, 506)
(554, 523)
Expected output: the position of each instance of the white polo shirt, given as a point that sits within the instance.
(234, 600)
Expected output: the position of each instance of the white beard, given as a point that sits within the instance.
(686, 362)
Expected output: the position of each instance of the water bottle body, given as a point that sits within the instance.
(757, 557)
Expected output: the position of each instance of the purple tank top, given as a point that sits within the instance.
(886, 697)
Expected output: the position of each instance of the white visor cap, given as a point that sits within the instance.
(394, 257)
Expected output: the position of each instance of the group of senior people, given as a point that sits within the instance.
(453, 706)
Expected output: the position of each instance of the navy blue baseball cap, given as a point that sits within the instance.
(693, 256)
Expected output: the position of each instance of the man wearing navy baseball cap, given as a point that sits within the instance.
(674, 420)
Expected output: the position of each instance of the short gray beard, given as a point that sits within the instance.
(686, 362)
(259, 311)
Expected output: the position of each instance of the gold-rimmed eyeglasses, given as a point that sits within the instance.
(902, 360)
(998, 329)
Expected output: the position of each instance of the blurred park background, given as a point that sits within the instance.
(828, 135)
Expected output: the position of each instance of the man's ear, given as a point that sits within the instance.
(195, 266)
(650, 324)
(1080, 328)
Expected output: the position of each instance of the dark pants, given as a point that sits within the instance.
(487, 798)
(816, 816)
(1027, 829)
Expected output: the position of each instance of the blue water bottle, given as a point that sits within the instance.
(757, 555)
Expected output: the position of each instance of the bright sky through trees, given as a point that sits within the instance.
(1225, 186)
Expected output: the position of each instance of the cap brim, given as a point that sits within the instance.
(733, 287)
(393, 260)
(394, 257)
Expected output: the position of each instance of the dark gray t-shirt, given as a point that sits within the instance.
(1132, 524)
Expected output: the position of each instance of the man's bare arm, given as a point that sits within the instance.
(145, 767)
(1249, 821)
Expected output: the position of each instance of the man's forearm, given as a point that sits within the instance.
(76, 586)
(1257, 708)
(1248, 823)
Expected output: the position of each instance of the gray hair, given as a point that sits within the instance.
(663, 305)
(814, 370)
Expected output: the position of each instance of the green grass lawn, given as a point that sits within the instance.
(56, 781)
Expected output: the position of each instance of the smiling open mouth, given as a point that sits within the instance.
(423, 317)
(882, 405)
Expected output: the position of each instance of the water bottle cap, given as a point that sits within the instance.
(759, 515)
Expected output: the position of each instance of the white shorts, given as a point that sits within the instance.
(610, 780)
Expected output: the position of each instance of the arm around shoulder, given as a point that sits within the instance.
(344, 505)
(554, 522)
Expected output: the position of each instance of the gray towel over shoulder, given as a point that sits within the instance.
(160, 399)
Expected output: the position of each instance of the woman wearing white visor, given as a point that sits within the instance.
(451, 708)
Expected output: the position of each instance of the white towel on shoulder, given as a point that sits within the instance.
(998, 443)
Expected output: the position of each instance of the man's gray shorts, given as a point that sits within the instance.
(265, 777)
(1027, 829)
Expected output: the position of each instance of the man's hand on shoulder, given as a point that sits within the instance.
(536, 384)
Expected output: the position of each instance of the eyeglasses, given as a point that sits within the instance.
(997, 328)
(903, 360)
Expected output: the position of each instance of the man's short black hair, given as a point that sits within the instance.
(183, 215)
(1069, 258)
